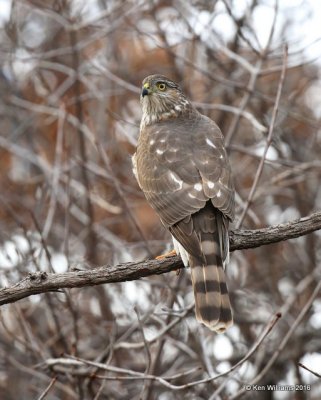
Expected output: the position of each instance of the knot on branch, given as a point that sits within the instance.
(37, 276)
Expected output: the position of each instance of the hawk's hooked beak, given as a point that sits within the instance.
(145, 91)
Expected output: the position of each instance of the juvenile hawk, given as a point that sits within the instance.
(182, 167)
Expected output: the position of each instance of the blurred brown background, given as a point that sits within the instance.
(70, 76)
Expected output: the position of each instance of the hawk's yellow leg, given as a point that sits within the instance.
(169, 254)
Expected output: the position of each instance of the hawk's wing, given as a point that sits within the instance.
(181, 164)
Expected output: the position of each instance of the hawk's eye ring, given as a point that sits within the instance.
(161, 86)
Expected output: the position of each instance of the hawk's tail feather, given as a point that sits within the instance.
(212, 303)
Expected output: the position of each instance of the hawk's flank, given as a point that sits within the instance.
(182, 167)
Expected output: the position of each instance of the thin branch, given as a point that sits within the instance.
(234, 110)
(47, 390)
(266, 331)
(282, 344)
(310, 370)
(269, 138)
(42, 282)
(78, 362)
(244, 102)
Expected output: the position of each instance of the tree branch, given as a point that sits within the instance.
(248, 239)
(42, 282)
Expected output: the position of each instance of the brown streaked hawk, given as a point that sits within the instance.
(182, 167)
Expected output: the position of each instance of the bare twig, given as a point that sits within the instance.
(310, 370)
(255, 346)
(77, 362)
(268, 140)
(44, 394)
(283, 342)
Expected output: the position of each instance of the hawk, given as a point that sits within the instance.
(182, 167)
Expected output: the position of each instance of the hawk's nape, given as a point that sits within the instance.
(183, 169)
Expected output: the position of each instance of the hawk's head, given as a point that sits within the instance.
(161, 99)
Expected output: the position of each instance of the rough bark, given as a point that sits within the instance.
(42, 282)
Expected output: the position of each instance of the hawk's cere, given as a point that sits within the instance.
(182, 167)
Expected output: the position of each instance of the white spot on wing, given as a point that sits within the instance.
(151, 142)
(210, 184)
(176, 180)
(159, 151)
(219, 193)
(210, 143)
(198, 187)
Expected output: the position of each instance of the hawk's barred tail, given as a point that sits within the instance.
(212, 303)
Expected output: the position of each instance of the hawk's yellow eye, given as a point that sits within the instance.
(161, 86)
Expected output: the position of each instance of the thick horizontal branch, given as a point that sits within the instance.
(248, 239)
(42, 282)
